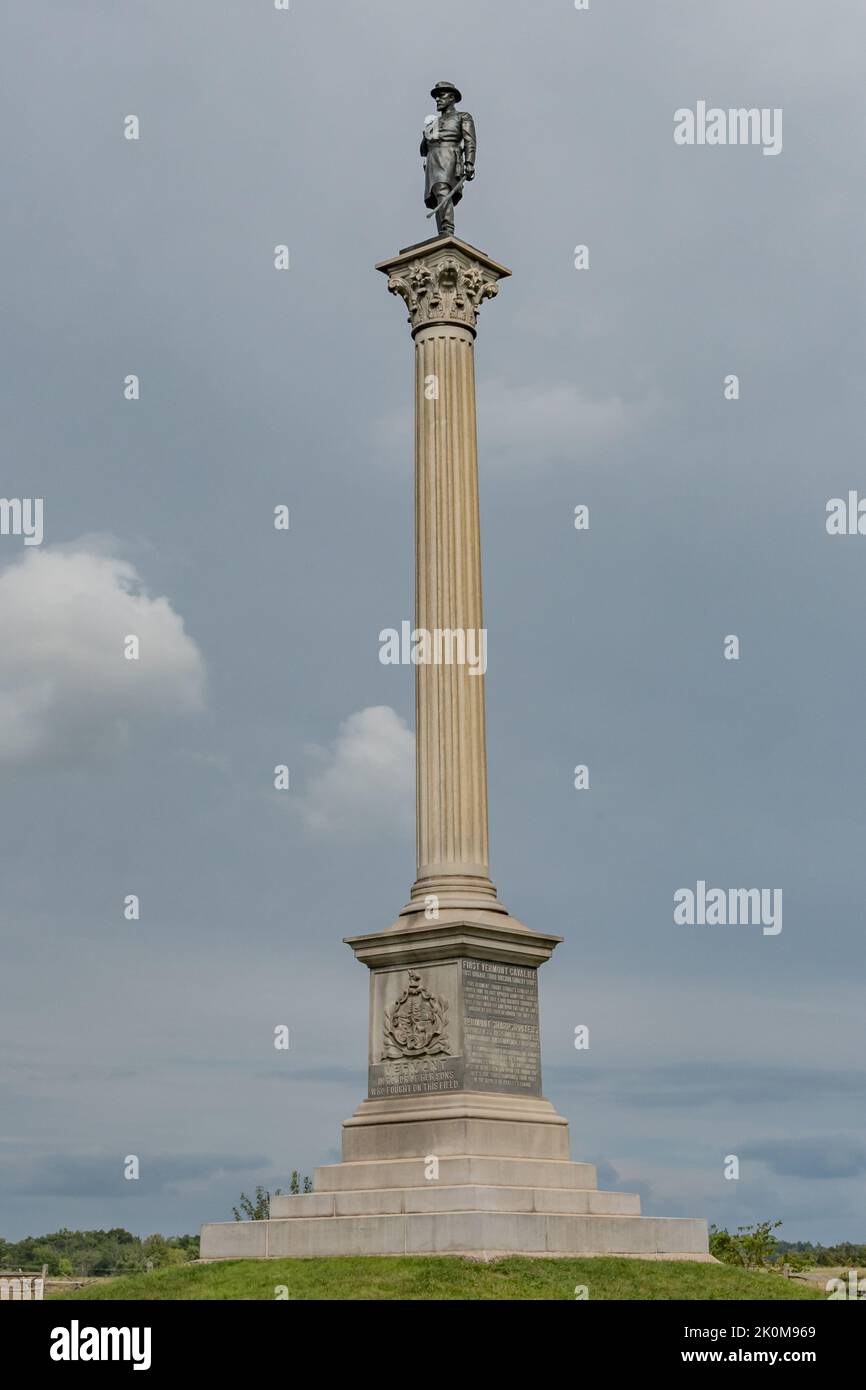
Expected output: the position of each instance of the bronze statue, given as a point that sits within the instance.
(448, 150)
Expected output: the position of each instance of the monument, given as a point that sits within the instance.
(455, 1149)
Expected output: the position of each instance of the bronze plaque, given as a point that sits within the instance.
(500, 1028)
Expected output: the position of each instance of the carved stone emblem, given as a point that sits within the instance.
(417, 1024)
(449, 289)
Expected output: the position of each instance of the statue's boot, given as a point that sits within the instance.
(445, 218)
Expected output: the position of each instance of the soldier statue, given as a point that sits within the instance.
(448, 150)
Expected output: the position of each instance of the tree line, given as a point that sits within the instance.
(69, 1253)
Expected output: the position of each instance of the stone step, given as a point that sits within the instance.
(455, 1171)
(478, 1233)
(436, 1197)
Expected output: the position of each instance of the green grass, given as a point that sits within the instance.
(446, 1277)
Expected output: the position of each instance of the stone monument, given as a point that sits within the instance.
(455, 1149)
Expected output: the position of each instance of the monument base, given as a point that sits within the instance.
(455, 1150)
(457, 1184)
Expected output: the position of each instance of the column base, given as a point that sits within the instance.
(451, 893)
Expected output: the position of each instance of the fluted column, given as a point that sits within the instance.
(443, 283)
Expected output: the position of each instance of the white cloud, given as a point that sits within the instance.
(538, 424)
(366, 780)
(546, 424)
(66, 689)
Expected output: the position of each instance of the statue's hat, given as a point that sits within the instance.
(446, 87)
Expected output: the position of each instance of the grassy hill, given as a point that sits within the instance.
(445, 1277)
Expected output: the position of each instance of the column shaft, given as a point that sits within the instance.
(451, 797)
(443, 282)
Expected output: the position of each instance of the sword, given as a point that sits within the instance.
(445, 201)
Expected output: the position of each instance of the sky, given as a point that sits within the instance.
(602, 387)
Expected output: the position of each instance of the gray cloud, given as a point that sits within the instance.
(101, 1176)
(690, 1084)
(832, 1156)
(351, 1076)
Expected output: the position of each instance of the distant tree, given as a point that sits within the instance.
(68, 1252)
(757, 1243)
(255, 1208)
(258, 1207)
(44, 1255)
(798, 1260)
(172, 1255)
(722, 1246)
(752, 1246)
(188, 1243)
(132, 1261)
(159, 1252)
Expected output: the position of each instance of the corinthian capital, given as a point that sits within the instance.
(444, 281)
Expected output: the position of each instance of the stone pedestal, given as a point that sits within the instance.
(455, 1148)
